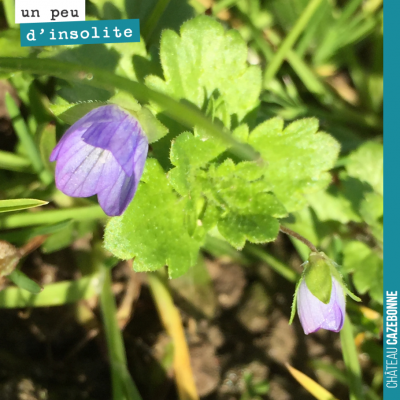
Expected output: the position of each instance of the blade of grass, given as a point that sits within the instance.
(290, 39)
(20, 204)
(9, 10)
(350, 358)
(122, 384)
(153, 19)
(278, 266)
(26, 140)
(14, 162)
(310, 385)
(186, 114)
(172, 322)
(51, 217)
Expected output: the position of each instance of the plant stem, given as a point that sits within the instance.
(14, 162)
(350, 357)
(290, 39)
(274, 263)
(298, 237)
(186, 114)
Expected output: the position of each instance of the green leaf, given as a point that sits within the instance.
(20, 204)
(366, 164)
(153, 228)
(339, 202)
(23, 282)
(55, 294)
(21, 236)
(297, 158)
(318, 277)
(367, 267)
(60, 239)
(372, 212)
(205, 58)
(237, 228)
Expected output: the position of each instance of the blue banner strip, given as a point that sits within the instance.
(391, 62)
(81, 32)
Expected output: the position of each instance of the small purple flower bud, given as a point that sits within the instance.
(314, 314)
(103, 153)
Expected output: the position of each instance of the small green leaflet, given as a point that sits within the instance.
(203, 59)
(153, 228)
(23, 282)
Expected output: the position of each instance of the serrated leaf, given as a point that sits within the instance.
(366, 164)
(318, 279)
(188, 150)
(20, 204)
(153, 228)
(236, 228)
(205, 58)
(23, 282)
(297, 158)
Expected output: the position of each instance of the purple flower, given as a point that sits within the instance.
(103, 153)
(314, 314)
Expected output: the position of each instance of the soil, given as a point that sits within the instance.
(239, 327)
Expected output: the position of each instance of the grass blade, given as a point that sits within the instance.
(310, 385)
(20, 204)
(350, 357)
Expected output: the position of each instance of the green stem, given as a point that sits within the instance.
(350, 357)
(153, 19)
(298, 237)
(122, 384)
(223, 4)
(50, 217)
(186, 114)
(290, 39)
(273, 262)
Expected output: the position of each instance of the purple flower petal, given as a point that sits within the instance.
(103, 153)
(117, 131)
(314, 314)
